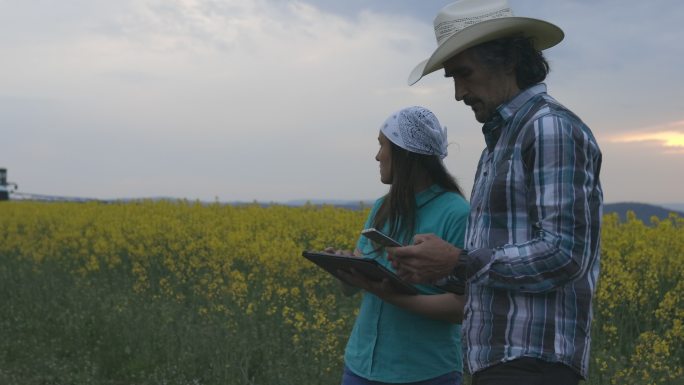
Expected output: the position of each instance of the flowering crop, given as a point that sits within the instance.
(638, 336)
(236, 303)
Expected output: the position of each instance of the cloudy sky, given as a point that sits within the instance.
(274, 100)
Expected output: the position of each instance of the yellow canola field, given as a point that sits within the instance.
(244, 264)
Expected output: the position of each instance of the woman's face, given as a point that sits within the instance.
(384, 156)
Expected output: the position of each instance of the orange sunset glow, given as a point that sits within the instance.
(670, 136)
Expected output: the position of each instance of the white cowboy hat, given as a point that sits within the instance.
(467, 23)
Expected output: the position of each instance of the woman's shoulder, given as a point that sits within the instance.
(454, 202)
(375, 207)
(378, 203)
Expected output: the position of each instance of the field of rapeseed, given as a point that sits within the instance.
(184, 293)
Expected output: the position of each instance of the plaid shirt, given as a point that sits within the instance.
(533, 236)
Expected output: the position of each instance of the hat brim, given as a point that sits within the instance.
(544, 34)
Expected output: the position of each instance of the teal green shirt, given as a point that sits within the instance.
(390, 344)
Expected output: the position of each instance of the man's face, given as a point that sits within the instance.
(480, 87)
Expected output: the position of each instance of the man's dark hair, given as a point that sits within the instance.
(517, 52)
(399, 207)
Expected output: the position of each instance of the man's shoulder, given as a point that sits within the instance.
(546, 116)
(545, 105)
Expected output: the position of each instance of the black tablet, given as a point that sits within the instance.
(368, 267)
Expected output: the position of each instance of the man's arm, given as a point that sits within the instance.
(562, 167)
(429, 259)
(563, 163)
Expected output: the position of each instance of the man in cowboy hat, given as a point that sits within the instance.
(531, 258)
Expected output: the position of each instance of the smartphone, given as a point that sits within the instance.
(378, 237)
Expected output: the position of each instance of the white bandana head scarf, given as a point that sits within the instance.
(416, 129)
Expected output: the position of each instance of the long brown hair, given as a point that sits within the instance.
(399, 206)
(517, 52)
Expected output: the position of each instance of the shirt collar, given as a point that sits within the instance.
(506, 110)
(428, 194)
(492, 128)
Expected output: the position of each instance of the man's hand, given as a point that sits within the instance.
(427, 260)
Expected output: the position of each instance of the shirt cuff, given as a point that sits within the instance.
(472, 261)
(469, 263)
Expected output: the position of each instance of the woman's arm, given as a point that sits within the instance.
(444, 307)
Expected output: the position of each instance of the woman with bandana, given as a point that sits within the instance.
(399, 338)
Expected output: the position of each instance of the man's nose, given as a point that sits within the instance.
(459, 91)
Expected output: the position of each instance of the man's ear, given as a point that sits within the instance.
(509, 69)
(512, 62)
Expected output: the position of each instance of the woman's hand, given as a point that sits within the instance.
(382, 289)
(332, 250)
(347, 288)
